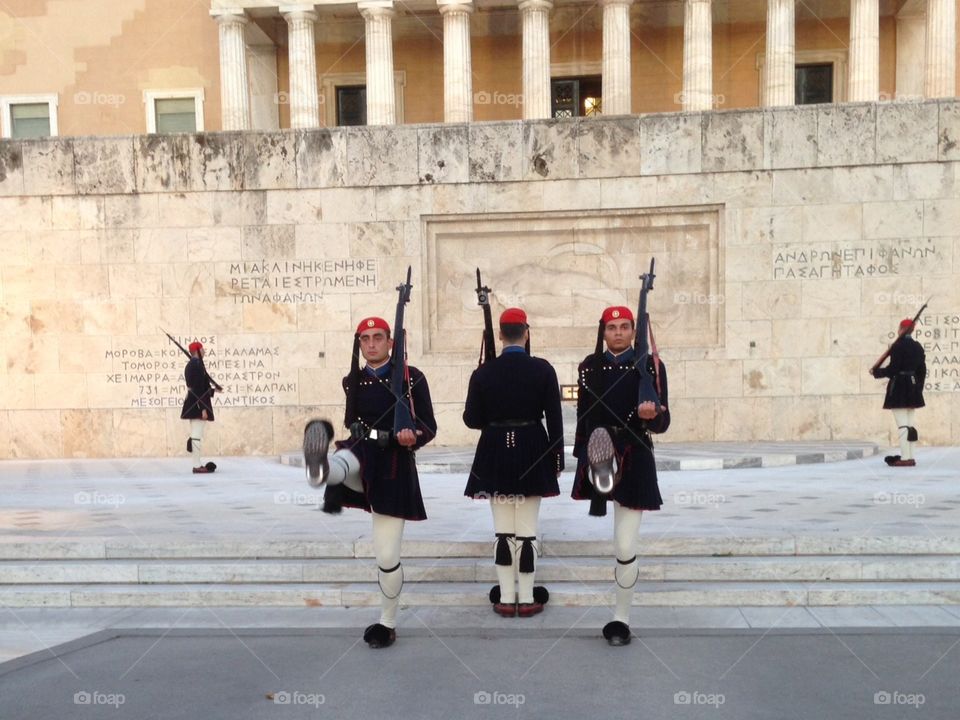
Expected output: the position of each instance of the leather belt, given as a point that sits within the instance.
(629, 435)
(359, 431)
(512, 423)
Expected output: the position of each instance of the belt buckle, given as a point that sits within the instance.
(380, 437)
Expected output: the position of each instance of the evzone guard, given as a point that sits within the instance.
(198, 405)
(622, 400)
(907, 371)
(390, 416)
(517, 461)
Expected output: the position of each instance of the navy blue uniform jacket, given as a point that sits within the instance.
(608, 398)
(199, 391)
(507, 400)
(391, 485)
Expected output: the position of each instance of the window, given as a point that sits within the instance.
(176, 115)
(819, 76)
(813, 83)
(352, 105)
(28, 116)
(174, 111)
(576, 96)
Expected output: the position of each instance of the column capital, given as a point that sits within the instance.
(375, 8)
(605, 3)
(448, 6)
(230, 17)
(299, 12)
(525, 5)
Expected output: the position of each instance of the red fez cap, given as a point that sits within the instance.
(513, 316)
(906, 323)
(194, 346)
(618, 312)
(373, 323)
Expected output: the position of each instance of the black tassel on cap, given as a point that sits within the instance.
(598, 352)
(353, 383)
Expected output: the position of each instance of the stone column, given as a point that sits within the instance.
(536, 58)
(940, 77)
(457, 63)
(616, 57)
(234, 88)
(381, 96)
(302, 55)
(911, 44)
(864, 77)
(697, 55)
(779, 87)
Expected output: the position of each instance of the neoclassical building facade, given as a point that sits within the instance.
(107, 67)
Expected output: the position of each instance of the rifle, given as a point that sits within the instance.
(885, 355)
(488, 350)
(647, 391)
(400, 374)
(186, 352)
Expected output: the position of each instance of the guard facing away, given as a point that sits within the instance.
(907, 371)
(517, 461)
(198, 406)
(614, 450)
(375, 469)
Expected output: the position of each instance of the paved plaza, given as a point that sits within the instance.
(309, 673)
(890, 659)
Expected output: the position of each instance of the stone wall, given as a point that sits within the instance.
(789, 243)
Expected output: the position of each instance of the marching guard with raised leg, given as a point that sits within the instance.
(390, 416)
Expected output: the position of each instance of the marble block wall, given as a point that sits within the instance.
(789, 243)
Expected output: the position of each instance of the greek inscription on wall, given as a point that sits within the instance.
(150, 375)
(940, 336)
(832, 261)
(300, 281)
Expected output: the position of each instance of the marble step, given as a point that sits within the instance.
(669, 593)
(654, 546)
(849, 568)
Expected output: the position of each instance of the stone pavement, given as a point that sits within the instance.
(153, 508)
(129, 502)
(295, 673)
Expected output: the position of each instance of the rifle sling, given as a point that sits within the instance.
(656, 358)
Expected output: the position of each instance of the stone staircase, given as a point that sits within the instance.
(675, 571)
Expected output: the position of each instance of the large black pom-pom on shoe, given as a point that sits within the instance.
(617, 633)
(379, 636)
(540, 594)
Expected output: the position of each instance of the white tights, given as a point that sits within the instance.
(904, 418)
(626, 528)
(345, 468)
(387, 534)
(196, 441)
(515, 517)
